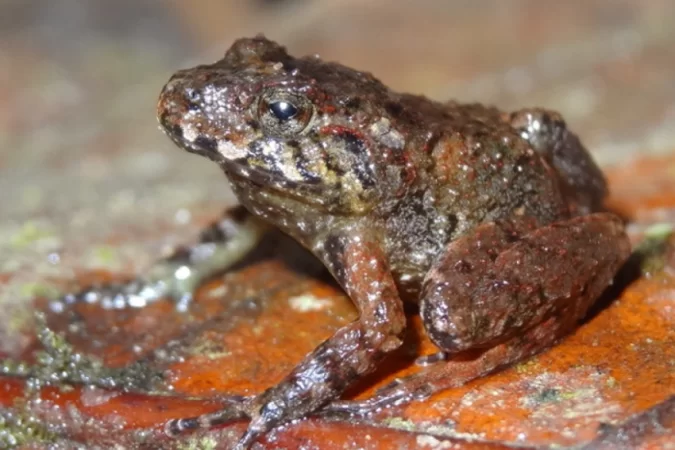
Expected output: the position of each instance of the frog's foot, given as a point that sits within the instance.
(399, 392)
(235, 408)
(133, 294)
(443, 375)
(220, 246)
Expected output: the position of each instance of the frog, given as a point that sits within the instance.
(490, 223)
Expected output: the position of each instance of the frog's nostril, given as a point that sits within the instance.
(192, 95)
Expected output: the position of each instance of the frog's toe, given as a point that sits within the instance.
(428, 360)
(136, 293)
(176, 427)
(235, 409)
(393, 394)
(257, 428)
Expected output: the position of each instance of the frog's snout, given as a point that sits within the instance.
(170, 109)
(175, 114)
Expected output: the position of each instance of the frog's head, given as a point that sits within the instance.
(302, 128)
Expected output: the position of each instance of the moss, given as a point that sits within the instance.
(549, 395)
(399, 423)
(105, 255)
(17, 429)
(59, 364)
(528, 366)
(199, 443)
(29, 234)
(30, 290)
(653, 250)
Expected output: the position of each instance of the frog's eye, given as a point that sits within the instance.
(284, 113)
(283, 110)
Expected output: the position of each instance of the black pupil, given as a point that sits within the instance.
(283, 110)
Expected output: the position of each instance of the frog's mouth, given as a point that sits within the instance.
(309, 193)
(306, 192)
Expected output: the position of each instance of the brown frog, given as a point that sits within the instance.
(490, 221)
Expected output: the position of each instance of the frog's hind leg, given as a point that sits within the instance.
(547, 133)
(176, 277)
(441, 375)
(511, 289)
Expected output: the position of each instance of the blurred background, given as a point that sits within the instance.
(87, 181)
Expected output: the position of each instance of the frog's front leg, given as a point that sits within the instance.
(176, 277)
(359, 265)
(511, 291)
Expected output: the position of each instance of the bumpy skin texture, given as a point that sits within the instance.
(488, 220)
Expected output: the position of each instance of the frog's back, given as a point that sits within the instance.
(472, 167)
(481, 168)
